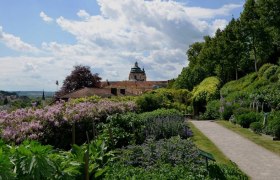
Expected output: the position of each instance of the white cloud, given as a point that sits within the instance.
(83, 14)
(154, 33)
(15, 43)
(206, 13)
(45, 17)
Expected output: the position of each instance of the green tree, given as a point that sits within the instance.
(256, 37)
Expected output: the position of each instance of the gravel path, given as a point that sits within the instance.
(254, 160)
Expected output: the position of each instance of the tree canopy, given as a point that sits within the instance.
(79, 78)
(242, 47)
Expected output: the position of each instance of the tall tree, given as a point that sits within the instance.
(269, 12)
(79, 78)
(256, 36)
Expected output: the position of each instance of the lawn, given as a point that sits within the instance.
(203, 143)
(263, 141)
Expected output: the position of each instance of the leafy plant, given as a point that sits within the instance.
(245, 120)
(31, 161)
(212, 110)
(256, 127)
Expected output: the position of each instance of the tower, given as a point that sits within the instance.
(137, 74)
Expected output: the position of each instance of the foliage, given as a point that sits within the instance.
(273, 126)
(6, 165)
(149, 102)
(244, 45)
(207, 90)
(223, 172)
(256, 127)
(119, 171)
(79, 78)
(31, 160)
(134, 128)
(212, 110)
(52, 124)
(164, 98)
(246, 119)
(157, 156)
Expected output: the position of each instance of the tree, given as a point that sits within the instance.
(256, 36)
(79, 78)
(6, 101)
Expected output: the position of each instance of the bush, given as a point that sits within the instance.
(227, 112)
(212, 110)
(164, 98)
(173, 158)
(256, 127)
(149, 102)
(246, 119)
(223, 172)
(134, 128)
(273, 126)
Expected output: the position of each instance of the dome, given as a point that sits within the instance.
(136, 69)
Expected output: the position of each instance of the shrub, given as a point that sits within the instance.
(256, 127)
(221, 171)
(149, 102)
(273, 126)
(270, 72)
(227, 111)
(52, 124)
(212, 110)
(246, 119)
(134, 128)
(264, 68)
(119, 171)
(164, 98)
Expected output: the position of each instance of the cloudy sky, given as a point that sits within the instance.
(41, 41)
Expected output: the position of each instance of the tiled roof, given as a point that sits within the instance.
(133, 84)
(86, 92)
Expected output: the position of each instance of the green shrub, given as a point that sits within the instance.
(173, 158)
(223, 172)
(263, 69)
(134, 128)
(256, 127)
(270, 72)
(164, 98)
(273, 126)
(207, 90)
(246, 119)
(227, 111)
(149, 102)
(212, 110)
(119, 171)
(241, 110)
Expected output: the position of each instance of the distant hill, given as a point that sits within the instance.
(34, 94)
(6, 93)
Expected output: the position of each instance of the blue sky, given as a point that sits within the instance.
(41, 41)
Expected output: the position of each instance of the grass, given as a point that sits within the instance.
(267, 143)
(203, 143)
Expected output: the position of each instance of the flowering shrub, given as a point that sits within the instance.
(39, 124)
(132, 128)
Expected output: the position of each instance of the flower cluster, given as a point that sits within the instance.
(30, 123)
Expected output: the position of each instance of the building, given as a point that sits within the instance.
(137, 74)
(136, 85)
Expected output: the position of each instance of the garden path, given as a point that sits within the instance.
(254, 160)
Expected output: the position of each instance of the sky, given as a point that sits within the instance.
(41, 41)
